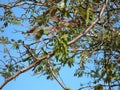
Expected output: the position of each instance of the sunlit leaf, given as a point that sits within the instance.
(87, 16)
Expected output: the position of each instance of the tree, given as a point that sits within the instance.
(57, 33)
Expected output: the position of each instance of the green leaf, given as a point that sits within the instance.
(44, 52)
(15, 22)
(46, 32)
(27, 58)
(15, 45)
(71, 62)
(98, 87)
(63, 4)
(39, 34)
(53, 11)
(68, 89)
(93, 17)
(87, 16)
(38, 70)
(103, 73)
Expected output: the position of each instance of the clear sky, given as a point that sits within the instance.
(28, 81)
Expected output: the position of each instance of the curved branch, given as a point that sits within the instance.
(91, 26)
(25, 69)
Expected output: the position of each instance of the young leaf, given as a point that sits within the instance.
(62, 4)
(87, 16)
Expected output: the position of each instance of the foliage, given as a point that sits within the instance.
(55, 23)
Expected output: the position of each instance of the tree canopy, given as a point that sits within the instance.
(47, 35)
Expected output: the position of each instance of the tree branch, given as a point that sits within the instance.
(25, 69)
(37, 60)
(55, 76)
(29, 51)
(91, 26)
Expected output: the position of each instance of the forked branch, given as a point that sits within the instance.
(37, 60)
(25, 69)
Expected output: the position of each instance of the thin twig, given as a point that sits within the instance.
(55, 76)
(29, 51)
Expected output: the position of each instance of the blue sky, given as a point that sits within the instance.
(28, 81)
